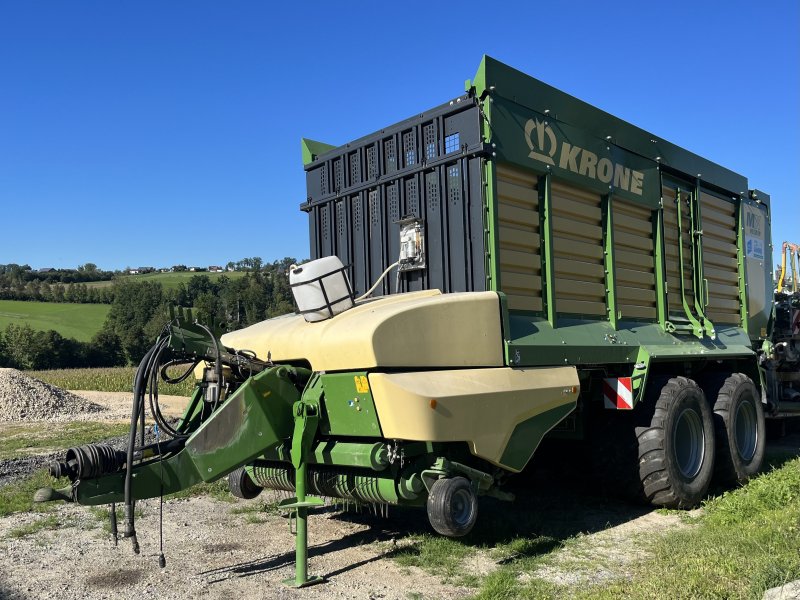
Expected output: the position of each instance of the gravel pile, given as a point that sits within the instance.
(24, 398)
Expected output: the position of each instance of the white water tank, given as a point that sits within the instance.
(321, 288)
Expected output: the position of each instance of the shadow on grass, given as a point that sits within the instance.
(557, 497)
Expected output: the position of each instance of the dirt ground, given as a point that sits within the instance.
(118, 404)
(224, 550)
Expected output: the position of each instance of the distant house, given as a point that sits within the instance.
(215, 269)
(133, 271)
(46, 270)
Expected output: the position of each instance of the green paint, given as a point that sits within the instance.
(742, 266)
(700, 284)
(518, 96)
(348, 405)
(256, 417)
(527, 435)
(696, 327)
(534, 342)
(312, 150)
(306, 423)
(660, 267)
(492, 227)
(546, 248)
(336, 452)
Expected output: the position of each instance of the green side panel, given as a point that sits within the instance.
(349, 406)
(256, 417)
(254, 420)
(534, 342)
(519, 98)
(540, 141)
(491, 219)
(527, 435)
(149, 481)
(311, 150)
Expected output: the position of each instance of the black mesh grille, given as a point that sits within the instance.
(409, 148)
(454, 185)
(430, 141)
(390, 152)
(340, 217)
(432, 190)
(452, 143)
(411, 197)
(394, 204)
(337, 175)
(374, 208)
(323, 179)
(355, 168)
(372, 162)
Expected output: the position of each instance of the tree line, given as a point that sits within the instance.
(139, 310)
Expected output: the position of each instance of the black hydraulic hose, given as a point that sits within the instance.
(155, 409)
(137, 410)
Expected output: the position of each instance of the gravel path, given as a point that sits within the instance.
(24, 398)
(211, 553)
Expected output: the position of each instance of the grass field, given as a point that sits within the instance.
(79, 321)
(167, 280)
(109, 379)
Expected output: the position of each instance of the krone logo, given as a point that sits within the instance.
(544, 147)
(542, 130)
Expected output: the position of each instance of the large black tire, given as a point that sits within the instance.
(676, 450)
(452, 506)
(241, 486)
(740, 430)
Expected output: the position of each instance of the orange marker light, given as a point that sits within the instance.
(433, 403)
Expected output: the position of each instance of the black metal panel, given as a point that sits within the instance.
(429, 166)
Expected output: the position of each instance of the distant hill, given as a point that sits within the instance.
(78, 321)
(168, 280)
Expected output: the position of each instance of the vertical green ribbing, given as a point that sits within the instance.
(491, 238)
(696, 327)
(608, 260)
(660, 266)
(740, 257)
(546, 247)
(700, 287)
(491, 231)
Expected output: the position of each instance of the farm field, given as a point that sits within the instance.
(168, 280)
(79, 321)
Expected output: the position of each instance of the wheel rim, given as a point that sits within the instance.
(462, 507)
(688, 440)
(746, 430)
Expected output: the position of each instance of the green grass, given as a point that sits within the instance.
(108, 379)
(24, 439)
(46, 522)
(18, 495)
(217, 490)
(742, 543)
(78, 321)
(168, 280)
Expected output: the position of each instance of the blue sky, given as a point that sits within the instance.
(156, 133)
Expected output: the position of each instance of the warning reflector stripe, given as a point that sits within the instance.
(796, 322)
(618, 393)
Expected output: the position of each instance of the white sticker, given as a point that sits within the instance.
(753, 233)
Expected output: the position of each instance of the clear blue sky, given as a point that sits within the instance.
(156, 133)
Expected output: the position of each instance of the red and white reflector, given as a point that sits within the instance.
(795, 322)
(618, 393)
